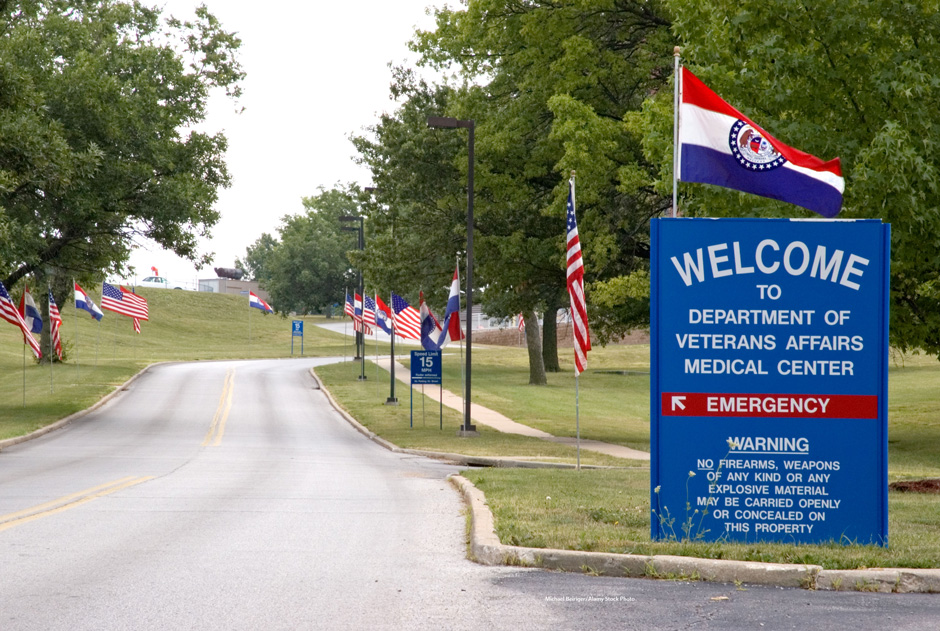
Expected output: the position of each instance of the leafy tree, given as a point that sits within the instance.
(307, 270)
(417, 216)
(98, 100)
(257, 255)
(553, 81)
(855, 80)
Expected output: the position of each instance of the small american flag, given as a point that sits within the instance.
(123, 302)
(9, 312)
(579, 321)
(407, 320)
(521, 323)
(348, 308)
(55, 320)
(368, 312)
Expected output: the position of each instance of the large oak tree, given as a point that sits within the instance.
(99, 106)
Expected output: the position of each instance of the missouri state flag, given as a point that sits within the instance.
(719, 145)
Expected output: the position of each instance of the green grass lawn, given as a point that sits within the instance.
(609, 511)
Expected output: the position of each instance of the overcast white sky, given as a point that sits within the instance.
(317, 71)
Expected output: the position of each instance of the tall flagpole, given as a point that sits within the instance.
(78, 365)
(51, 344)
(463, 381)
(676, 162)
(392, 399)
(577, 397)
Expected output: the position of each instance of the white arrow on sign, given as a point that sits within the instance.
(678, 402)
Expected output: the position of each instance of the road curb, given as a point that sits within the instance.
(487, 549)
(42, 431)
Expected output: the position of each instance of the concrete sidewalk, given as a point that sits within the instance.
(497, 421)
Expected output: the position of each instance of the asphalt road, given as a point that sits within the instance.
(229, 495)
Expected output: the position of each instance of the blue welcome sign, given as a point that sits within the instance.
(769, 380)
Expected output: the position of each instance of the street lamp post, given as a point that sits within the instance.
(360, 337)
(392, 399)
(468, 428)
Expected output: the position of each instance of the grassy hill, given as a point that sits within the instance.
(183, 325)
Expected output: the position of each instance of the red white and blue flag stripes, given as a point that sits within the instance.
(369, 311)
(383, 315)
(9, 312)
(256, 302)
(575, 272)
(119, 300)
(406, 319)
(358, 324)
(29, 312)
(348, 308)
(55, 325)
(82, 301)
(430, 328)
(719, 145)
(451, 330)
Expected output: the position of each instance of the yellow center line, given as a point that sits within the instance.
(68, 502)
(217, 428)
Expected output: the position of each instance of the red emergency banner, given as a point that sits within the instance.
(769, 405)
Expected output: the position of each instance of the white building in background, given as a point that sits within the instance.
(230, 286)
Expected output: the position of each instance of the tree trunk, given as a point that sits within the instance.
(550, 339)
(534, 344)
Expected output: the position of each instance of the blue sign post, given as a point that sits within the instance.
(426, 369)
(769, 380)
(297, 330)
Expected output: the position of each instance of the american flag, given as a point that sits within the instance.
(521, 323)
(368, 312)
(348, 309)
(406, 319)
(55, 320)
(582, 336)
(9, 313)
(124, 302)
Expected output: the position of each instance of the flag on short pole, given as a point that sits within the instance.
(30, 312)
(349, 309)
(120, 300)
(521, 324)
(406, 319)
(9, 312)
(383, 315)
(451, 328)
(55, 324)
(369, 315)
(575, 271)
(256, 302)
(430, 328)
(721, 146)
(358, 324)
(82, 301)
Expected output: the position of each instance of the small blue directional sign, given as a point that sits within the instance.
(425, 367)
(298, 328)
(769, 380)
